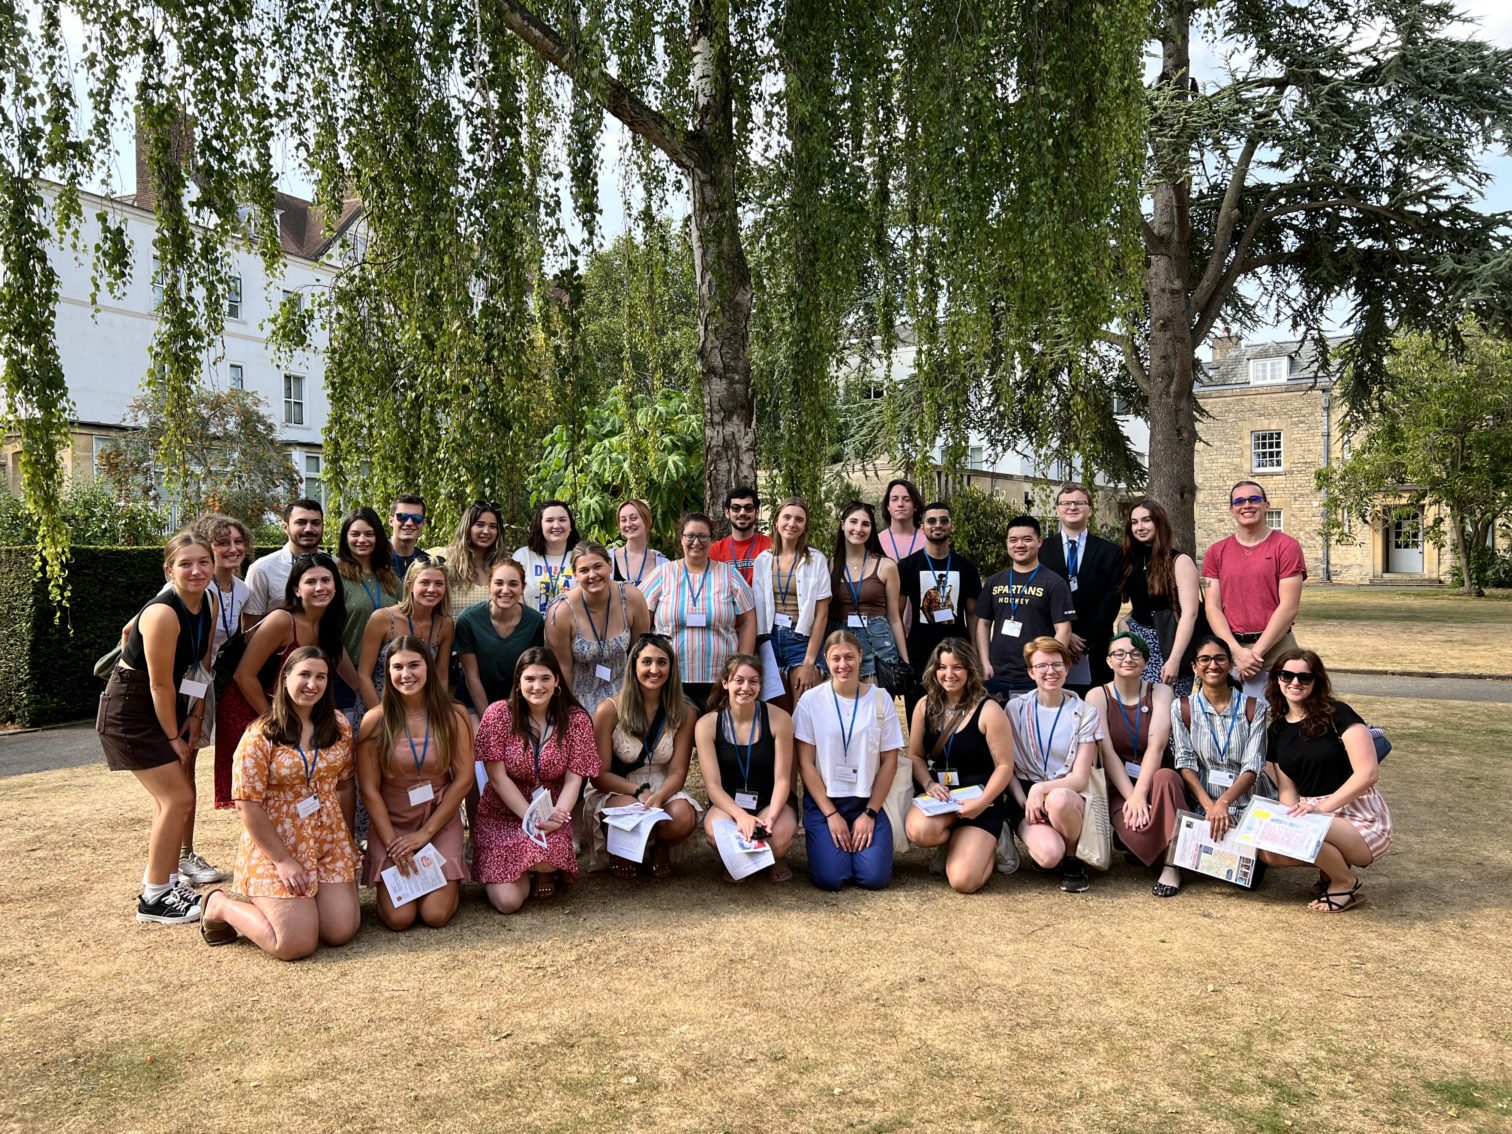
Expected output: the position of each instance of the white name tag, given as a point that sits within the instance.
(855, 620)
(746, 799)
(1012, 628)
(1073, 584)
(783, 620)
(1131, 769)
(848, 777)
(191, 688)
(697, 618)
(603, 673)
(1220, 778)
(944, 615)
(950, 778)
(307, 806)
(421, 793)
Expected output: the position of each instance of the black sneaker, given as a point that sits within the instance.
(1074, 876)
(173, 908)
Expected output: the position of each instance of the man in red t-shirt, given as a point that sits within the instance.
(1254, 588)
(744, 543)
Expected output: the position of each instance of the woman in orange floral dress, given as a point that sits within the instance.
(294, 789)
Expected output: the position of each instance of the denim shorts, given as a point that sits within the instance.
(876, 639)
(789, 646)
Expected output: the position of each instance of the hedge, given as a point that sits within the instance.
(47, 666)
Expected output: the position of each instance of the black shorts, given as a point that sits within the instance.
(127, 722)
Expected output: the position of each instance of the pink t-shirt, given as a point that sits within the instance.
(1249, 578)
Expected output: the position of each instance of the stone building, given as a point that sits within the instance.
(1271, 417)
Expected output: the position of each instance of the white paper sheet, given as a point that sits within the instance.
(771, 673)
(1265, 825)
(932, 806)
(740, 863)
(428, 877)
(537, 813)
(629, 832)
(1227, 860)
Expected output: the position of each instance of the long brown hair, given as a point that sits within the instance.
(280, 723)
(1318, 707)
(803, 551)
(1160, 574)
(440, 712)
(458, 554)
(630, 703)
(934, 695)
(563, 702)
(719, 696)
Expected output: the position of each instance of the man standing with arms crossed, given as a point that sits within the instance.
(940, 586)
(1025, 602)
(1254, 588)
(267, 579)
(1090, 566)
(744, 543)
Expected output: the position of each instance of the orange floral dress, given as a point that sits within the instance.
(274, 776)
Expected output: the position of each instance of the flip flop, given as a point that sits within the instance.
(542, 885)
(1165, 890)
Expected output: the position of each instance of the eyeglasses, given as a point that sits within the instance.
(409, 518)
(689, 537)
(1240, 501)
(1212, 660)
(1125, 655)
(1287, 677)
(1075, 504)
(1048, 667)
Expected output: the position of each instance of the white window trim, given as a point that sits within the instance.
(1261, 371)
(1280, 465)
(231, 376)
(1280, 524)
(234, 305)
(289, 400)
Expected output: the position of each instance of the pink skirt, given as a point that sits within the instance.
(1368, 815)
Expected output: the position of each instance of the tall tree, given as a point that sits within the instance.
(1337, 162)
(1448, 452)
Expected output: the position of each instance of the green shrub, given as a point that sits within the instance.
(95, 516)
(981, 528)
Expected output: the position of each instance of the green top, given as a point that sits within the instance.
(359, 608)
(497, 656)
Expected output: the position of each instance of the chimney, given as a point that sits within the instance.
(145, 195)
(1225, 345)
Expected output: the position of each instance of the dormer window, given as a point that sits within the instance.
(1266, 370)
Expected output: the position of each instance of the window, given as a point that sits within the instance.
(293, 399)
(237, 377)
(1263, 370)
(233, 298)
(1273, 519)
(291, 299)
(1120, 406)
(157, 282)
(313, 488)
(976, 456)
(1265, 450)
(98, 446)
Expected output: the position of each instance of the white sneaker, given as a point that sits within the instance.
(194, 869)
(173, 908)
(1007, 852)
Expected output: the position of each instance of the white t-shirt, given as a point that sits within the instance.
(547, 578)
(824, 719)
(1045, 741)
(267, 579)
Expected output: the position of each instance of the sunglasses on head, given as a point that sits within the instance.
(486, 505)
(1287, 677)
(1240, 501)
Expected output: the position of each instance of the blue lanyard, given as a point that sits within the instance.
(845, 734)
(912, 541)
(652, 737)
(640, 572)
(196, 627)
(1013, 603)
(1228, 736)
(782, 595)
(597, 637)
(855, 588)
(374, 601)
(1132, 730)
(744, 765)
(536, 745)
(425, 749)
(951, 739)
(553, 586)
(942, 579)
(309, 765)
(227, 608)
(1039, 740)
(695, 596)
(434, 631)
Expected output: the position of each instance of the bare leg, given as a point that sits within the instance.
(286, 928)
(395, 917)
(172, 807)
(927, 830)
(1064, 807)
(188, 838)
(970, 860)
(508, 897)
(1044, 842)
(683, 821)
(340, 912)
(438, 907)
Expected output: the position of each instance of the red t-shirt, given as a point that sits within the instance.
(1249, 578)
(742, 555)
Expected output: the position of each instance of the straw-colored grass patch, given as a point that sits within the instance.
(1368, 628)
(690, 1005)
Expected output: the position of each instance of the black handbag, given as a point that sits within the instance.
(897, 677)
(229, 656)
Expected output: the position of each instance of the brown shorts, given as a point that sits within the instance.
(128, 725)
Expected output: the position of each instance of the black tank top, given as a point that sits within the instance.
(763, 760)
(1143, 604)
(966, 754)
(193, 636)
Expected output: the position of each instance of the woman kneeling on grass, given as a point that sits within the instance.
(745, 754)
(1054, 747)
(294, 789)
(538, 738)
(960, 738)
(1327, 764)
(848, 739)
(415, 766)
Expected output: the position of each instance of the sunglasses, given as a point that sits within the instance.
(410, 518)
(741, 508)
(1240, 501)
(486, 505)
(1288, 677)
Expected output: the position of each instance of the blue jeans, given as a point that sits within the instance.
(831, 868)
(1001, 689)
(789, 646)
(876, 641)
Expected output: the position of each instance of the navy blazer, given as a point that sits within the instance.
(1097, 598)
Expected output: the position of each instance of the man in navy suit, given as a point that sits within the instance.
(1091, 565)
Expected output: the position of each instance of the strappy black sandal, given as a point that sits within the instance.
(1337, 901)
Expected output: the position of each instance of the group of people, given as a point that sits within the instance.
(373, 702)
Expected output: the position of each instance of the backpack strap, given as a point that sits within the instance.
(1186, 713)
(1250, 705)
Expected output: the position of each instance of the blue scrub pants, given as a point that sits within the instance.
(831, 868)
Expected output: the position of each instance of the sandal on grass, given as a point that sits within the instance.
(1165, 890)
(780, 872)
(543, 885)
(622, 868)
(661, 861)
(1337, 901)
(213, 930)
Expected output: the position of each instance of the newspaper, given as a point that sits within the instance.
(1226, 859)
(629, 828)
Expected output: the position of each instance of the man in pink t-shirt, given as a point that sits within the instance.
(1254, 588)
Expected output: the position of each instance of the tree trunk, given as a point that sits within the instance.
(1171, 373)
(719, 264)
(1462, 552)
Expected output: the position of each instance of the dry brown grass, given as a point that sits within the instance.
(691, 1005)
(1378, 630)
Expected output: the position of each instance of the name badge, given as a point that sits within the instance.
(1132, 769)
(697, 618)
(1073, 584)
(603, 673)
(944, 615)
(421, 793)
(950, 778)
(1220, 778)
(1012, 627)
(847, 777)
(746, 799)
(783, 620)
(855, 621)
(190, 688)
(307, 806)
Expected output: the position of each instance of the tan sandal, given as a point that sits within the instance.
(623, 869)
(542, 885)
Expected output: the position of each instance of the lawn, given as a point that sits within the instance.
(690, 1005)
(1369, 628)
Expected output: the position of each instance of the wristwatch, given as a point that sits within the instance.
(871, 812)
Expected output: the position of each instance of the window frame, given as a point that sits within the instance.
(290, 402)
(1261, 370)
(1256, 450)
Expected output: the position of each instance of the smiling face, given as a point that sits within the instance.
(652, 667)
(951, 673)
(230, 550)
(361, 538)
(844, 662)
(537, 684)
(1212, 665)
(1296, 680)
(792, 524)
(741, 512)
(483, 532)
(429, 587)
(1142, 525)
(592, 572)
(406, 672)
(938, 526)
(695, 542)
(1048, 670)
(857, 528)
(1125, 660)
(631, 525)
(1247, 504)
(306, 682)
(1023, 545)
(556, 526)
(191, 569)
(316, 588)
(744, 685)
(506, 585)
(305, 527)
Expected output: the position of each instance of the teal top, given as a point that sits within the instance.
(497, 656)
